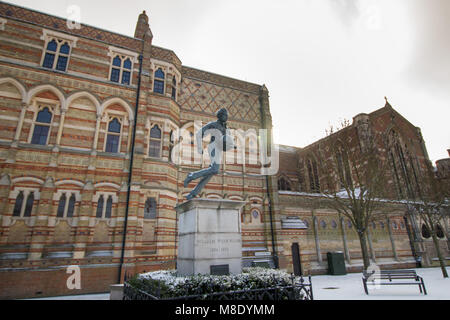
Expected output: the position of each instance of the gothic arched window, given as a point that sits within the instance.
(100, 205)
(403, 167)
(56, 55)
(18, 206)
(29, 205)
(343, 166)
(42, 127)
(121, 69)
(159, 81)
(61, 206)
(425, 232)
(113, 138)
(154, 149)
(109, 204)
(313, 173)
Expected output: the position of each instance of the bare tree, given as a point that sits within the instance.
(433, 207)
(356, 181)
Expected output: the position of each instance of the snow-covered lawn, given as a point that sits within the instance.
(350, 287)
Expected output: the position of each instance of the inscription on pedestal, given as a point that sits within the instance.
(224, 248)
(220, 270)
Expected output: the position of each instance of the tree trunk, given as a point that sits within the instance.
(439, 254)
(365, 254)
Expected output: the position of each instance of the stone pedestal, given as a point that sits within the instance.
(210, 239)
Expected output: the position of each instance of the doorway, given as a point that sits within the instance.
(296, 259)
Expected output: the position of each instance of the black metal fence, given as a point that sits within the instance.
(298, 290)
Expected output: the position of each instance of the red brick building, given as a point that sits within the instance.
(74, 105)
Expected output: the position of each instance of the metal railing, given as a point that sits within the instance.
(298, 290)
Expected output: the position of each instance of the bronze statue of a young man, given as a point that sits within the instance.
(219, 142)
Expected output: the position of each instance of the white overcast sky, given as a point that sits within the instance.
(322, 60)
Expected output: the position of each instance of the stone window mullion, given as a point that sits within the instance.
(26, 193)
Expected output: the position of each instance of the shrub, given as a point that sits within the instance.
(167, 284)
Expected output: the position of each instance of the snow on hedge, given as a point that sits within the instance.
(169, 284)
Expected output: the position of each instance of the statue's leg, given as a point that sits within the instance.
(211, 170)
(207, 175)
(199, 187)
(198, 174)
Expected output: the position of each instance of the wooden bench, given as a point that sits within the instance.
(393, 277)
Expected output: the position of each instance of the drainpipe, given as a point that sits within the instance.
(272, 233)
(130, 173)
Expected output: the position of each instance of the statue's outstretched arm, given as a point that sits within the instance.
(199, 137)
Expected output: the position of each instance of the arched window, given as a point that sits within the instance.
(115, 70)
(42, 127)
(404, 171)
(333, 224)
(18, 206)
(56, 55)
(154, 149)
(174, 88)
(63, 58)
(313, 174)
(425, 232)
(100, 205)
(71, 206)
(150, 208)
(439, 232)
(104, 211)
(29, 205)
(323, 224)
(121, 69)
(49, 59)
(61, 206)
(113, 138)
(66, 209)
(343, 166)
(158, 85)
(24, 204)
(109, 204)
(126, 73)
(284, 185)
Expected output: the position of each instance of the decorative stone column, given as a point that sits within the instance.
(344, 239)
(391, 237)
(5, 185)
(23, 111)
(210, 239)
(97, 131)
(317, 240)
(44, 210)
(82, 230)
(369, 240)
(61, 127)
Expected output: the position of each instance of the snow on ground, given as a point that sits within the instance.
(350, 287)
(100, 296)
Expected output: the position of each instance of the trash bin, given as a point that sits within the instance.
(336, 263)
